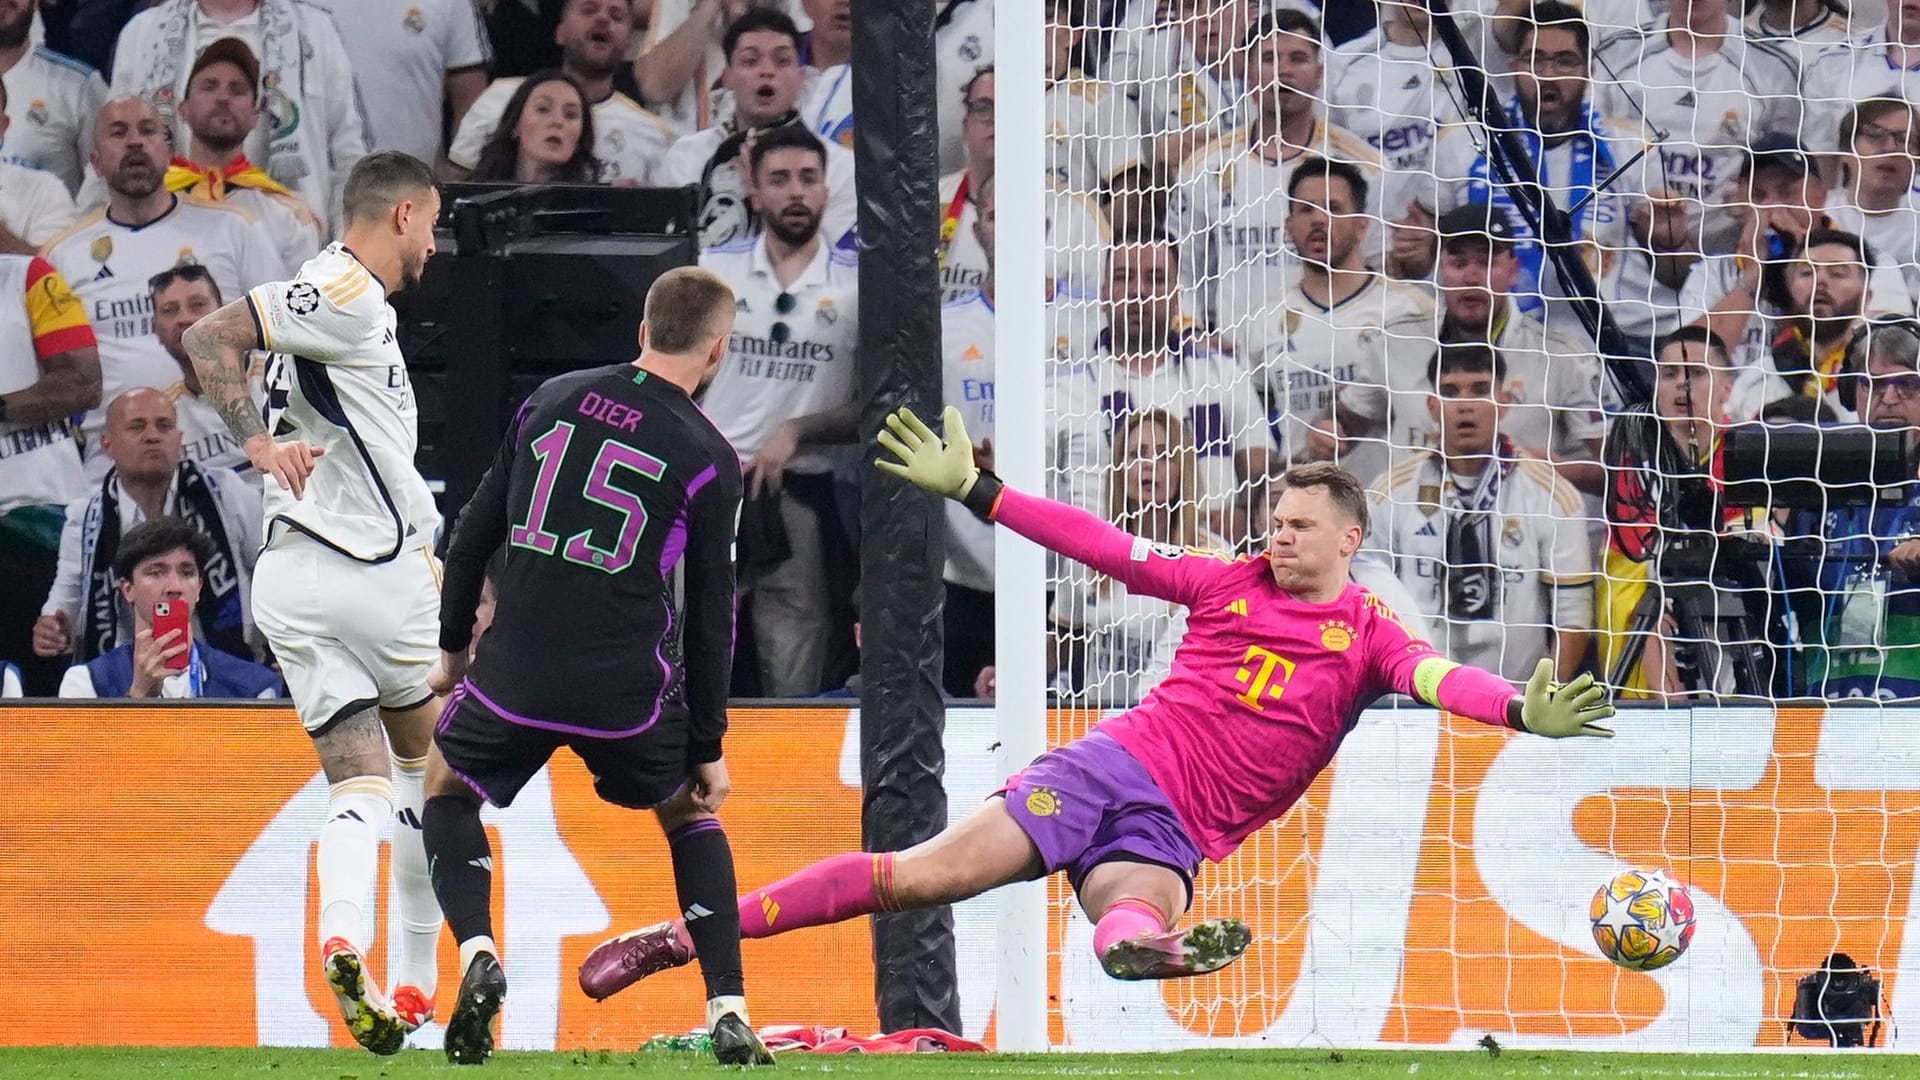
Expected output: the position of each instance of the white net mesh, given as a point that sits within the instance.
(1267, 249)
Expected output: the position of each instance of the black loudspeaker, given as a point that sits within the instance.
(527, 283)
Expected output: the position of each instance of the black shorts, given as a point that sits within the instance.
(497, 756)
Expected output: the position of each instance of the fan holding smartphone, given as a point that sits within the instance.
(159, 568)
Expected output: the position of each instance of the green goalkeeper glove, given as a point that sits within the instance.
(946, 469)
(1560, 712)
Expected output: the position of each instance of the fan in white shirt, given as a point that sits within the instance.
(628, 140)
(678, 66)
(51, 100)
(766, 77)
(1573, 149)
(1803, 29)
(1491, 543)
(221, 106)
(409, 58)
(784, 396)
(1228, 207)
(183, 296)
(1325, 342)
(1875, 198)
(963, 45)
(108, 256)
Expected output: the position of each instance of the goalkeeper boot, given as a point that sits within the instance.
(470, 1028)
(1199, 949)
(619, 962)
(370, 1020)
(734, 1041)
(413, 1006)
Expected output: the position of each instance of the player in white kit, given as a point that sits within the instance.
(347, 591)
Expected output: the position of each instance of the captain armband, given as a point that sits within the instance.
(1426, 678)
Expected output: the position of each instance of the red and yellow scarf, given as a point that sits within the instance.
(212, 182)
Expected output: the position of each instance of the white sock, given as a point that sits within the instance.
(349, 855)
(721, 1006)
(473, 947)
(419, 910)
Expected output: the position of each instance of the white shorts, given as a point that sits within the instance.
(349, 635)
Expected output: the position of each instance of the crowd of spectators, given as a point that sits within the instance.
(1273, 235)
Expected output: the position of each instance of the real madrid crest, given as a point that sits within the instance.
(970, 48)
(616, 141)
(1336, 635)
(37, 113)
(102, 249)
(827, 314)
(414, 21)
(1511, 534)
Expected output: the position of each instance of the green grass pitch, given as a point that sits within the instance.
(61, 1063)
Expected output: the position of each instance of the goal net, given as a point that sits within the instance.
(1272, 242)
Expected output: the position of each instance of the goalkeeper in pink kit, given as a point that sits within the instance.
(1282, 652)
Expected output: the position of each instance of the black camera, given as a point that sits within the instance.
(1838, 1004)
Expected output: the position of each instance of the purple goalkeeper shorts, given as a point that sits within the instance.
(1090, 802)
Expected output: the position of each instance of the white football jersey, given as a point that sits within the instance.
(784, 364)
(1540, 545)
(1643, 305)
(1804, 44)
(702, 102)
(1228, 213)
(1711, 108)
(1315, 355)
(628, 141)
(726, 217)
(336, 380)
(400, 55)
(1391, 95)
(962, 45)
(52, 100)
(1215, 394)
(39, 462)
(1093, 134)
(966, 359)
(108, 265)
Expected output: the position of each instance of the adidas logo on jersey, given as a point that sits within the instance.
(1685, 101)
(105, 274)
(1238, 607)
(484, 862)
(1425, 530)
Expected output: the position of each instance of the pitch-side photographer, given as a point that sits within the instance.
(1685, 606)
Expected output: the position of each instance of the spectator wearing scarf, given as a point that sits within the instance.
(221, 107)
(314, 127)
(150, 478)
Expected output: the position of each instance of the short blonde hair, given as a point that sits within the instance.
(683, 306)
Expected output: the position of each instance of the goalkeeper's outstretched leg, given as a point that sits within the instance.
(1087, 808)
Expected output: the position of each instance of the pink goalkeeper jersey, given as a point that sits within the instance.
(1263, 687)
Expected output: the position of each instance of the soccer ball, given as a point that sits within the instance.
(1642, 920)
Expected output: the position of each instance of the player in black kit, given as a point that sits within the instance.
(606, 481)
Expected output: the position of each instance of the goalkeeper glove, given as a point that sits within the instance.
(1560, 712)
(944, 468)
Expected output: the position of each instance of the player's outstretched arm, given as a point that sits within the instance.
(1408, 665)
(218, 345)
(947, 468)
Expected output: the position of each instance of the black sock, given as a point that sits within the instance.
(709, 901)
(460, 861)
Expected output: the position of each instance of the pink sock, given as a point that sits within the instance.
(829, 891)
(1128, 918)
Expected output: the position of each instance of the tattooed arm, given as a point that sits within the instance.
(218, 345)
